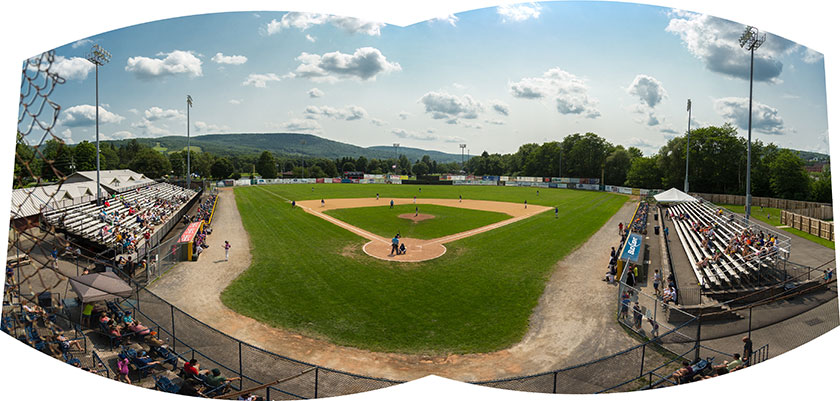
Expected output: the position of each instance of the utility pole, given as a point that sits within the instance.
(98, 56)
(189, 173)
(687, 141)
(750, 41)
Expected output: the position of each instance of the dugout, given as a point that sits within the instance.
(186, 242)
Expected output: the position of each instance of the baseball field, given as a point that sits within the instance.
(312, 276)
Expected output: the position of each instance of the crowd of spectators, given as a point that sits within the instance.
(138, 217)
(205, 208)
(748, 243)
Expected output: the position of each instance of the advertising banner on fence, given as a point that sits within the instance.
(632, 248)
(189, 233)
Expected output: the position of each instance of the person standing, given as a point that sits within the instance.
(748, 349)
(556, 211)
(392, 204)
(227, 250)
(416, 210)
(459, 198)
(377, 196)
(322, 202)
(526, 203)
(620, 228)
(415, 198)
(657, 281)
(395, 243)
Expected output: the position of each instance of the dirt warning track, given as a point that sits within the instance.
(417, 250)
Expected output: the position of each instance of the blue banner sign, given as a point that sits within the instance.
(632, 248)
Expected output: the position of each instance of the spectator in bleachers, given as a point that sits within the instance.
(122, 369)
(728, 366)
(215, 378)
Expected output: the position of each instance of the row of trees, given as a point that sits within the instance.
(717, 164)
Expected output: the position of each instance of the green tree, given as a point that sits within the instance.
(788, 177)
(222, 168)
(617, 165)
(266, 165)
(178, 161)
(821, 188)
(420, 168)
(644, 173)
(348, 166)
(57, 160)
(109, 159)
(150, 163)
(84, 156)
(362, 164)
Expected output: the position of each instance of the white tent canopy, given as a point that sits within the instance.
(673, 195)
(99, 287)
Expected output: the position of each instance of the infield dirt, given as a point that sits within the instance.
(418, 250)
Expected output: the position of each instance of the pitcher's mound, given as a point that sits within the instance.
(416, 218)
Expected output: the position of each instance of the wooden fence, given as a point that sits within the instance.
(820, 228)
(821, 211)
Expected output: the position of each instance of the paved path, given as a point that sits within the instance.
(573, 321)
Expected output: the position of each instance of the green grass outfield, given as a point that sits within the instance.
(311, 276)
(385, 222)
(775, 220)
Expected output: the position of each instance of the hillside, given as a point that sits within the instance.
(294, 145)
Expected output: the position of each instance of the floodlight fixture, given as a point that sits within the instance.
(98, 57)
(397, 162)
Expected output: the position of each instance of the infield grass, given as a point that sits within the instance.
(385, 221)
(311, 276)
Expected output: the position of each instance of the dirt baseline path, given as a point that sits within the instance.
(572, 323)
(418, 250)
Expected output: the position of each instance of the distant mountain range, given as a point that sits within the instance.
(286, 145)
(297, 145)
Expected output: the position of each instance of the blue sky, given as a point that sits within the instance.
(493, 78)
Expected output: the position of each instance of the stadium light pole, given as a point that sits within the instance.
(463, 146)
(98, 56)
(189, 105)
(687, 141)
(750, 41)
(396, 158)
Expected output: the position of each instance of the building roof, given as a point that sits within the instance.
(32, 201)
(113, 180)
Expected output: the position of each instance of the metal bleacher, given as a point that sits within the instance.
(85, 220)
(729, 272)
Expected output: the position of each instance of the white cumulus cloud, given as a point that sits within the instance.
(569, 92)
(72, 68)
(348, 113)
(300, 125)
(519, 12)
(260, 80)
(500, 107)
(715, 42)
(304, 21)
(442, 105)
(315, 92)
(364, 64)
(155, 113)
(220, 58)
(648, 89)
(84, 115)
(174, 63)
(765, 119)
